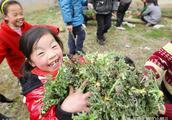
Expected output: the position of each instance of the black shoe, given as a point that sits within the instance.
(100, 41)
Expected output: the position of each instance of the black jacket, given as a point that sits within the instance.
(102, 6)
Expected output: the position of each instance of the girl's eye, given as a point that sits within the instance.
(40, 53)
(54, 46)
(21, 14)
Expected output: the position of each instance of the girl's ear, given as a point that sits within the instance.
(5, 17)
(31, 63)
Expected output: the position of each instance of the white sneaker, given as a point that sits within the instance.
(120, 28)
(158, 26)
(129, 24)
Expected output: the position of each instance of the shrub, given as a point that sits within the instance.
(118, 90)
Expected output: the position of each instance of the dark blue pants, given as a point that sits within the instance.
(76, 39)
(103, 24)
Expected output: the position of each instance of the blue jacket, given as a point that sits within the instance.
(72, 11)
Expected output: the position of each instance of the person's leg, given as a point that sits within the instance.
(147, 21)
(80, 37)
(142, 18)
(107, 22)
(100, 28)
(71, 42)
(121, 13)
(126, 6)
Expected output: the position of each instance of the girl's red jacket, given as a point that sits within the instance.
(33, 88)
(9, 45)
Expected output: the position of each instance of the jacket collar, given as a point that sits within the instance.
(24, 27)
(39, 72)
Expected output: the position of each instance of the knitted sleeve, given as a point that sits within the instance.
(160, 61)
(168, 111)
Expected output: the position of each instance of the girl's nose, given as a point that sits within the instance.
(51, 55)
(20, 16)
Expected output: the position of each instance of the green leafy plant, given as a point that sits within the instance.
(90, 13)
(118, 90)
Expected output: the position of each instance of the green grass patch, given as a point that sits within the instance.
(159, 33)
(44, 16)
(167, 12)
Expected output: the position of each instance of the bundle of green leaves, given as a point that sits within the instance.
(90, 13)
(118, 90)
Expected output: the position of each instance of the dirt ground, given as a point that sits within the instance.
(137, 43)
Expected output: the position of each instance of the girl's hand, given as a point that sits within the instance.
(138, 13)
(70, 28)
(76, 101)
(161, 109)
(90, 6)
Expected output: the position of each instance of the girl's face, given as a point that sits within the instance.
(46, 54)
(14, 16)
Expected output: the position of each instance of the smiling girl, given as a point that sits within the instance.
(43, 52)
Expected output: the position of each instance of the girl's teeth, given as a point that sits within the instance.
(53, 63)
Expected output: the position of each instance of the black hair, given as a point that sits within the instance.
(155, 2)
(4, 6)
(27, 41)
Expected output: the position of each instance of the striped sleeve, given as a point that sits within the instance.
(160, 61)
(168, 112)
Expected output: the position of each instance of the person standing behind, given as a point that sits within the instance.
(160, 63)
(103, 10)
(152, 14)
(72, 12)
(12, 27)
(123, 7)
